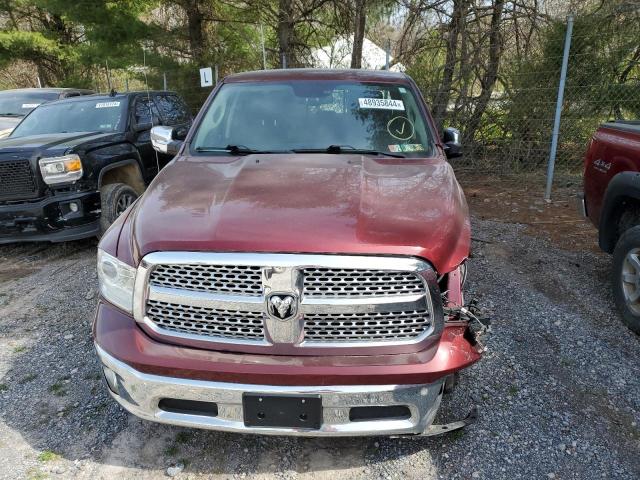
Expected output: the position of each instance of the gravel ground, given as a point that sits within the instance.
(558, 389)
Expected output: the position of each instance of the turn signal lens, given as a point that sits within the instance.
(65, 169)
(73, 165)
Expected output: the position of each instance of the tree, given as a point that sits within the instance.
(360, 21)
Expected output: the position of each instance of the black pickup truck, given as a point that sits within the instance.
(15, 104)
(72, 166)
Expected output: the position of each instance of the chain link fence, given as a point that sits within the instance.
(506, 116)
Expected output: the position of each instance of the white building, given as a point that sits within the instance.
(338, 55)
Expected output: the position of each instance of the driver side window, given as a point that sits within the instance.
(146, 112)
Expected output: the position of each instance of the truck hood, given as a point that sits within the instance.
(314, 203)
(53, 143)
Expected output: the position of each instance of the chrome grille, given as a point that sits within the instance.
(349, 282)
(363, 327)
(346, 301)
(205, 321)
(235, 279)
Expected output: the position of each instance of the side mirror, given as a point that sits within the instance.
(451, 140)
(163, 140)
(180, 133)
(141, 127)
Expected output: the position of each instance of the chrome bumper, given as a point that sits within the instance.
(140, 394)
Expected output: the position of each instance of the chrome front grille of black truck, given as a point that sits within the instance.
(17, 180)
(303, 301)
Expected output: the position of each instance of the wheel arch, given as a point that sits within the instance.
(125, 171)
(621, 198)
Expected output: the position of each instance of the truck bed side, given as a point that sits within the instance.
(614, 148)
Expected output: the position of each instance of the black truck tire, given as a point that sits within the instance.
(115, 198)
(625, 277)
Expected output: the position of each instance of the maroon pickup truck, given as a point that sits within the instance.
(297, 268)
(611, 201)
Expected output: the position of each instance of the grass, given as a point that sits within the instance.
(35, 474)
(66, 410)
(182, 437)
(19, 349)
(57, 389)
(457, 434)
(513, 390)
(28, 378)
(3, 387)
(171, 450)
(48, 456)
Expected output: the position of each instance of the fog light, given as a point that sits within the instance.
(111, 378)
(73, 206)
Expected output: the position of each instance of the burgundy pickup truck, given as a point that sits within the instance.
(611, 201)
(297, 268)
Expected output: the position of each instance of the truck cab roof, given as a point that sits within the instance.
(115, 96)
(311, 74)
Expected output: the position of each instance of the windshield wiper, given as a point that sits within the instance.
(337, 149)
(237, 150)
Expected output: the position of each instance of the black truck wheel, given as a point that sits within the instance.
(626, 277)
(115, 198)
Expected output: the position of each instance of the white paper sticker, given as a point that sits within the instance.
(107, 104)
(30, 105)
(381, 103)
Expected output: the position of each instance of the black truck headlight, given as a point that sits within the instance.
(65, 169)
(116, 280)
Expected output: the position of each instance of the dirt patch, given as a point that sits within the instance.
(520, 200)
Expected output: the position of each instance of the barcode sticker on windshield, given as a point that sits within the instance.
(381, 103)
(107, 104)
(30, 105)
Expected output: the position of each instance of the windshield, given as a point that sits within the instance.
(18, 104)
(304, 115)
(92, 115)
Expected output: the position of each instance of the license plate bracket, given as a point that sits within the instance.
(289, 411)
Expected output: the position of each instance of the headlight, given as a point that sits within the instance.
(116, 280)
(65, 169)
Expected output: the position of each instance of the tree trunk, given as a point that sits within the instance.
(285, 33)
(358, 33)
(488, 81)
(195, 28)
(441, 98)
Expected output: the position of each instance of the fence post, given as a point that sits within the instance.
(164, 81)
(106, 63)
(387, 54)
(556, 122)
(264, 52)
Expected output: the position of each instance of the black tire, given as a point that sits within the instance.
(115, 198)
(624, 266)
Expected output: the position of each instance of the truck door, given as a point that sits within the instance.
(146, 115)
